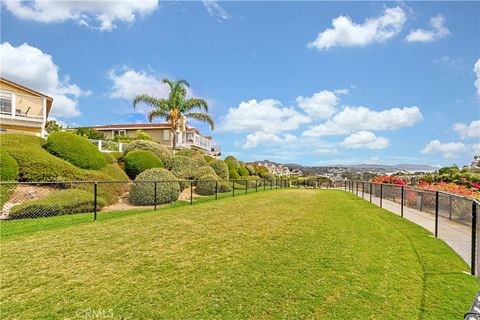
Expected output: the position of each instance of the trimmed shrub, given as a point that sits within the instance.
(109, 158)
(243, 172)
(75, 149)
(205, 170)
(232, 162)
(200, 160)
(34, 162)
(268, 176)
(8, 172)
(208, 158)
(137, 161)
(184, 168)
(220, 167)
(187, 152)
(251, 170)
(233, 174)
(117, 155)
(262, 171)
(8, 167)
(57, 203)
(207, 184)
(224, 186)
(143, 193)
(157, 149)
(114, 172)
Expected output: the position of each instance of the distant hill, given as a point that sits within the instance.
(379, 168)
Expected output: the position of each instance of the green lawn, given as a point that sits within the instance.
(295, 253)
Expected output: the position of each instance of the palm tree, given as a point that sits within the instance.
(175, 107)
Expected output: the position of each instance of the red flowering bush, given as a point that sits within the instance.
(452, 188)
(389, 180)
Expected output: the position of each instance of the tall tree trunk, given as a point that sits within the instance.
(174, 140)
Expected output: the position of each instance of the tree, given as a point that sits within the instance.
(175, 107)
(53, 126)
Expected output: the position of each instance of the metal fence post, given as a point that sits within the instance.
(381, 195)
(363, 189)
(345, 185)
(264, 185)
(246, 186)
(155, 196)
(233, 192)
(436, 213)
(256, 185)
(474, 238)
(370, 191)
(401, 204)
(191, 192)
(421, 201)
(356, 193)
(276, 183)
(449, 207)
(216, 190)
(95, 201)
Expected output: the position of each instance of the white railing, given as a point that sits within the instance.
(107, 146)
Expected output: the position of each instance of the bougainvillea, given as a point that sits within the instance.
(389, 180)
(452, 188)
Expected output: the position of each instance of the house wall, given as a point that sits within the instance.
(25, 100)
(155, 134)
(17, 128)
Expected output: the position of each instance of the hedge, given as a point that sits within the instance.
(232, 162)
(114, 172)
(157, 149)
(184, 168)
(143, 194)
(75, 149)
(34, 162)
(187, 152)
(205, 170)
(243, 172)
(262, 171)
(251, 170)
(207, 185)
(137, 161)
(8, 172)
(220, 167)
(117, 155)
(57, 203)
(109, 157)
(233, 174)
(268, 176)
(208, 158)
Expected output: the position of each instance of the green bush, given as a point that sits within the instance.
(207, 184)
(232, 162)
(205, 170)
(224, 186)
(114, 172)
(143, 193)
(76, 150)
(57, 203)
(8, 167)
(137, 161)
(187, 152)
(268, 176)
(243, 172)
(109, 157)
(90, 133)
(208, 158)
(220, 167)
(262, 171)
(184, 167)
(8, 172)
(251, 170)
(233, 174)
(117, 155)
(157, 149)
(34, 162)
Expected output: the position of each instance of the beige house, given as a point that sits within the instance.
(22, 109)
(187, 137)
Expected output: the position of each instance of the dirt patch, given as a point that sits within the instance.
(185, 195)
(24, 193)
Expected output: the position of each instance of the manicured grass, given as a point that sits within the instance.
(321, 254)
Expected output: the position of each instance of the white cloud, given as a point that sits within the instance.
(437, 32)
(352, 119)
(321, 105)
(35, 69)
(476, 149)
(476, 69)
(346, 33)
(101, 15)
(215, 10)
(471, 130)
(261, 137)
(449, 150)
(128, 83)
(449, 61)
(365, 139)
(265, 115)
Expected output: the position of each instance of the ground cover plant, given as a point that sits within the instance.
(306, 254)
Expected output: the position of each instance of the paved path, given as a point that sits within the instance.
(457, 236)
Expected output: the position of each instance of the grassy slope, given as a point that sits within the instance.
(287, 254)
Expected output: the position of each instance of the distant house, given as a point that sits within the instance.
(187, 137)
(22, 109)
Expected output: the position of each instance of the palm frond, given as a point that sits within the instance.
(150, 101)
(170, 83)
(158, 113)
(201, 117)
(194, 103)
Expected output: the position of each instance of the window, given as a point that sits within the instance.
(166, 135)
(119, 133)
(5, 102)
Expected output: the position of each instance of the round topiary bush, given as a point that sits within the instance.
(233, 174)
(224, 186)
(8, 167)
(205, 170)
(75, 149)
(184, 168)
(187, 152)
(143, 193)
(138, 161)
(160, 151)
(243, 172)
(232, 162)
(207, 184)
(268, 176)
(220, 167)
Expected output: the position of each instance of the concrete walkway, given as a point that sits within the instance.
(457, 236)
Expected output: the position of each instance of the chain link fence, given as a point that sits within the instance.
(450, 217)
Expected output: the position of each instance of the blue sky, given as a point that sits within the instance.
(306, 82)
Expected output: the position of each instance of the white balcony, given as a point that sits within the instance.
(15, 108)
(195, 141)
